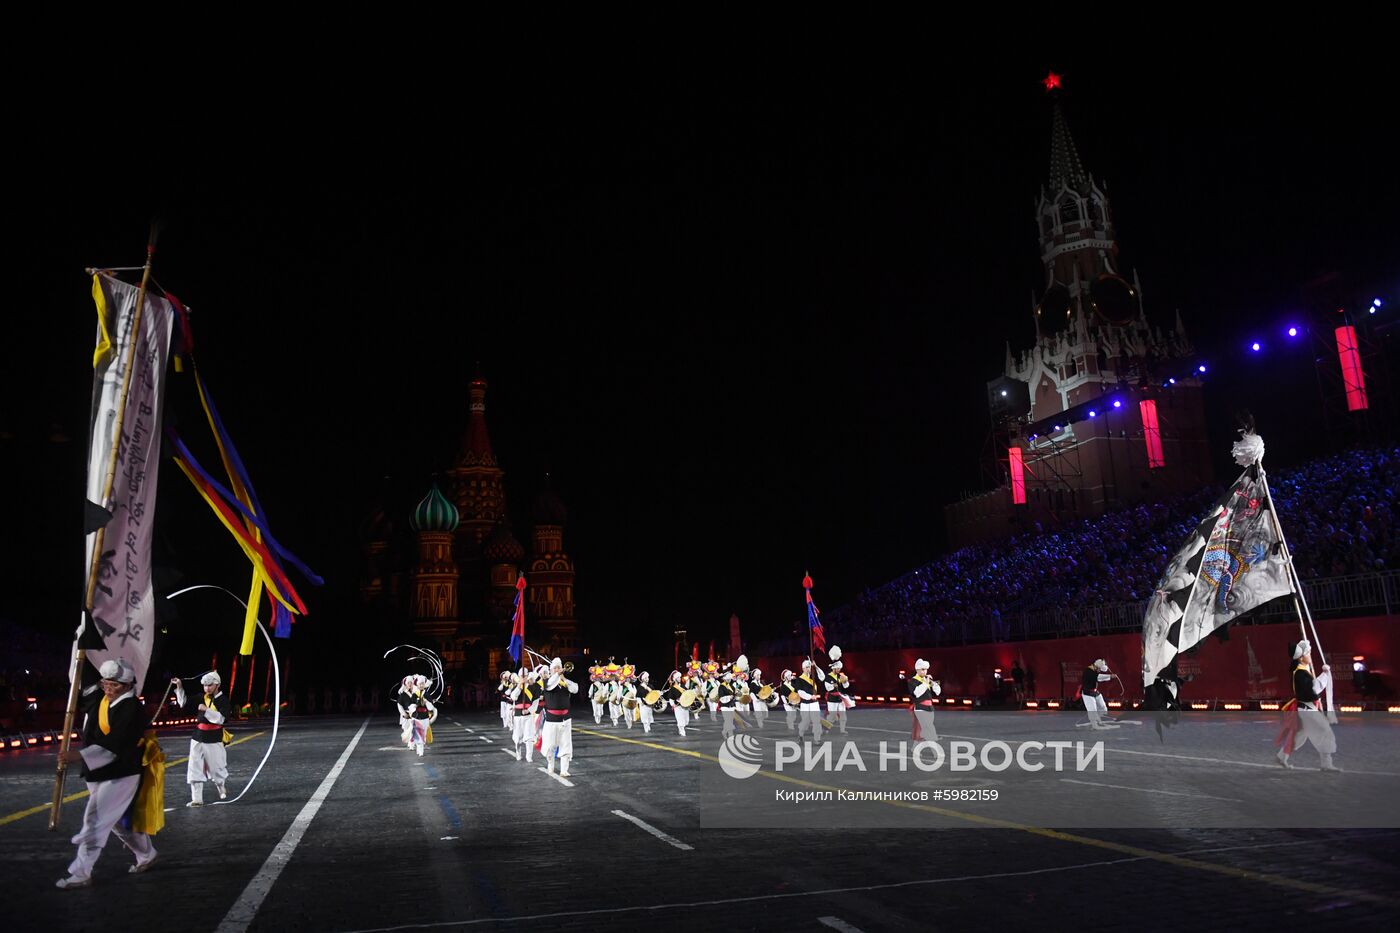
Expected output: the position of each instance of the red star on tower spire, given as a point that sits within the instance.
(1052, 81)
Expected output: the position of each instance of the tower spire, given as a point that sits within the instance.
(1065, 167)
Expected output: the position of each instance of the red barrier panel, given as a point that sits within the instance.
(1252, 665)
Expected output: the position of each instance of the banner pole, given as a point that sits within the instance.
(80, 653)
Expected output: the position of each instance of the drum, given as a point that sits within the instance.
(651, 698)
(687, 698)
(765, 692)
(630, 703)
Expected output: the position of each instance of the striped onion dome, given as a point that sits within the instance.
(434, 513)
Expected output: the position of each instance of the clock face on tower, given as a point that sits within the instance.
(1113, 299)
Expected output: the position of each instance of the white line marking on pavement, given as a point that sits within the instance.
(485, 739)
(565, 781)
(669, 840)
(508, 752)
(241, 914)
(836, 923)
(169, 809)
(877, 887)
(1147, 790)
(472, 731)
(447, 838)
(392, 748)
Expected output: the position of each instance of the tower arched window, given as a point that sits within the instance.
(1069, 211)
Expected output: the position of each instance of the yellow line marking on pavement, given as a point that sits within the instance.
(1167, 858)
(82, 793)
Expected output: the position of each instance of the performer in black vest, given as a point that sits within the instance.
(1095, 674)
(208, 756)
(114, 721)
(558, 721)
(922, 690)
(403, 699)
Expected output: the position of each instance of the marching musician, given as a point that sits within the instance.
(756, 685)
(1311, 718)
(614, 684)
(645, 709)
(208, 756)
(710, 689)
(837, 690)
(423, 713)
(597, 693)
(113, 724)
(502, 689)
(810, 695)
(558, 722)
(404, 697)
(525, 701)
(786, 692)
(726, 697)
(627, 691)
(1094, 675)
(922, 690)
(672, 696)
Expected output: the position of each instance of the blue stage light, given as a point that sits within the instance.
(1292, 331)
(1201, 368)
(1255, 346)
(1093, 414)
(1172, 380)
(1117, 404)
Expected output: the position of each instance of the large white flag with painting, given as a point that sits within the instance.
(123, 607)
(1230, 564)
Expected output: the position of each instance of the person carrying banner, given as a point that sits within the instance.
(208, 756)
(113, 725)
(1307, 720)
(810, 695)
(525, 695)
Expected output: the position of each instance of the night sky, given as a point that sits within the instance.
(744, 317)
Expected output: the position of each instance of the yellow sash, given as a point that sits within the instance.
(148, 811)
(104, 723)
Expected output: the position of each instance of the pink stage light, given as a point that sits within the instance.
(1352, 376)
(1018, 476)
(1151, 434)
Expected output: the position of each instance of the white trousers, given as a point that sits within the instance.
(928, 733)
(682, 718)
(505, 713)
(523, 733)
(598, 713)
(107, 803)
(810, 720)
(208, 762)
(614, 711)
(836, 712)
(714, 708)
(790, 712)
(760, 712)
(406, 725)
(559, 736)
(647, 718)
(1095, 706)
(1312, 724)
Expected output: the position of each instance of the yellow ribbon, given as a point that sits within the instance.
(148, 812)
(103, 722)
(104, 336)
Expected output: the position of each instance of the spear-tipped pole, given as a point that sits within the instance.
(79, 653)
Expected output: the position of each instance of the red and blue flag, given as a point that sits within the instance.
(814, 617)
(517, 631)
